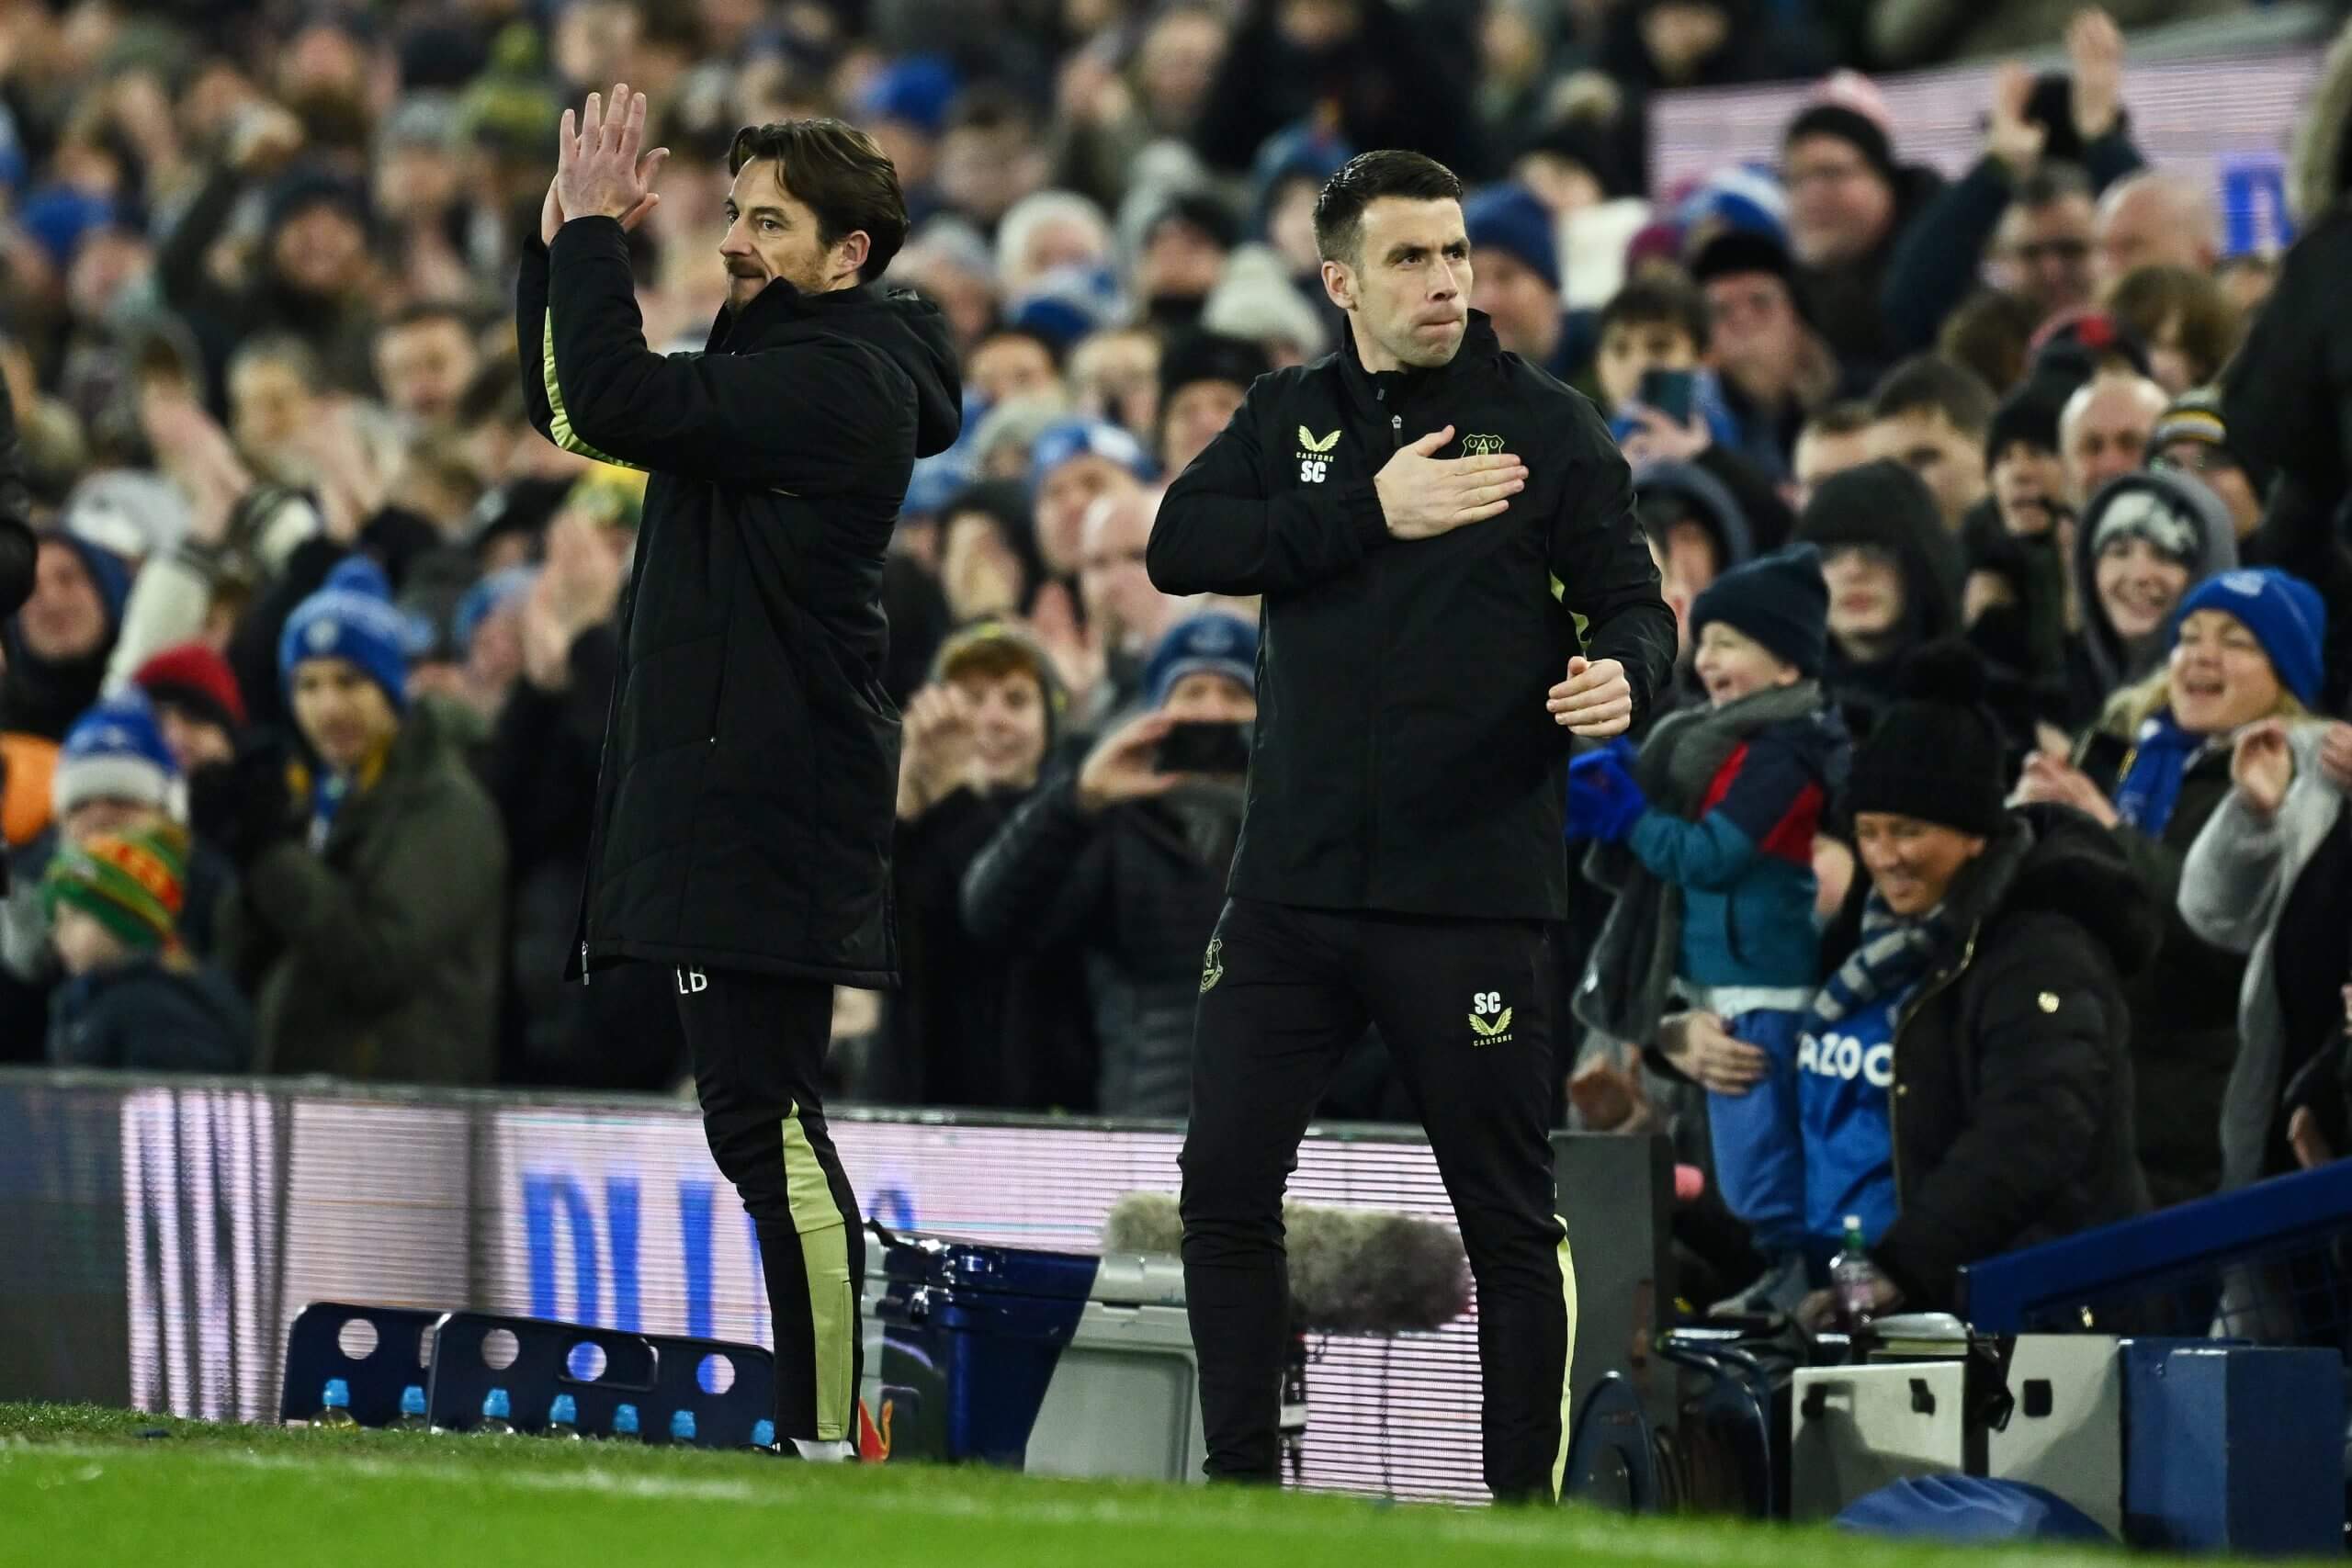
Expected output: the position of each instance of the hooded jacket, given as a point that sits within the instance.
(2100, 663)
(1885, 506)
(1403, 759)
(743, 808)
(2011, 1104)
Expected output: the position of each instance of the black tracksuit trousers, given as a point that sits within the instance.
(758, 1044)
(1465, 1007)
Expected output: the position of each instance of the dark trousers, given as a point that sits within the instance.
(758, 1045)
(1466, 1009)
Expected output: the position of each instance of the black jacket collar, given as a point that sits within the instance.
(1480, 349)
(780, 302)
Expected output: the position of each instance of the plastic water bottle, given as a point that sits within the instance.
(334, 1407)
(624, 1421)
(563, 1418)
(496, 1416)
(764, 1434)
(1855, 1278)
(411, 1416)
(682, 1427)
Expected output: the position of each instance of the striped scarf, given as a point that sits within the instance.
(1894, 955)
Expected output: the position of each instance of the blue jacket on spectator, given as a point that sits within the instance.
(1745, 864)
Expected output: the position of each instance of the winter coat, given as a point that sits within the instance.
(2276, 891)
(1140, 896)
(1844, 302)
(378, 957)
(1744, 858)
(743, 812)
(151, 1015)
(977, 1025)
(2012, 1094)
(2184, 1006)
(1403, 760)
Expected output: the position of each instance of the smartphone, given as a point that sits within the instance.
(1196, 747)
(1670, 392)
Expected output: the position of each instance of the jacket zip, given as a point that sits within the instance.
(1372, 746)
(622, 622)
(1934, 988)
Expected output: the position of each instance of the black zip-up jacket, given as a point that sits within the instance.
(744, 807)
(1404, 760)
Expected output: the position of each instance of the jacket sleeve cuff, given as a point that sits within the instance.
(1359, 507)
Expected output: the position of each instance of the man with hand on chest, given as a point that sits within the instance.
(1453, 583)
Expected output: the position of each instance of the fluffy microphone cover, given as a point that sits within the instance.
(1352, 1270)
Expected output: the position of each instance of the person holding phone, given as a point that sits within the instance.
(1455, 583)
(1126, 855)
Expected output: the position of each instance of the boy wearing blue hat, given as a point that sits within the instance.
(1128, 857)
(1708, 837)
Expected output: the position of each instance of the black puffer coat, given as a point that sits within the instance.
(743, 813)
(2012, 1098)
(2185, 1005)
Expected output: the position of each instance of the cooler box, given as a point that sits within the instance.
(1054, 1362)
(1858, 1428)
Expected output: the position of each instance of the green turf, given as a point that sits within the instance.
(80, 1485)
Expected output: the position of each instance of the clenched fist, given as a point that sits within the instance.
(1422, 495)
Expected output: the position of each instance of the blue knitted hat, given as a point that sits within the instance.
(351, 618)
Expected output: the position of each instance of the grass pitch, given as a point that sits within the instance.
(80, 1485)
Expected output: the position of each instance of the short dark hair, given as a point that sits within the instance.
(1364, 179)
(843, 176)
(1003, 329)
(1655, 301)
(1992, 333)
(1930, 381)
(2052, 180)
(1850, 416)
(417, 313)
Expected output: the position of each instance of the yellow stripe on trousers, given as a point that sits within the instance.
(1567, 1367)
(824, 1262)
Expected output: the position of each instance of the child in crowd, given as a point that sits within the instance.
(1708, 834)
(134, 997)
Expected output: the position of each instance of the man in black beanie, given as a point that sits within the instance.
(1848, 204)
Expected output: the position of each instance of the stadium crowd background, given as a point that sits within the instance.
(256, 331)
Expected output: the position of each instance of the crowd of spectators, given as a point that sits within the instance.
(301, 719)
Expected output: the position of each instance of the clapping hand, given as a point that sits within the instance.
(600, 170)
(2051, 778)
(2261, 765)
(938, 749)
(1596, 700)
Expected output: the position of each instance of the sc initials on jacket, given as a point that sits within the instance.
(1404, 758)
